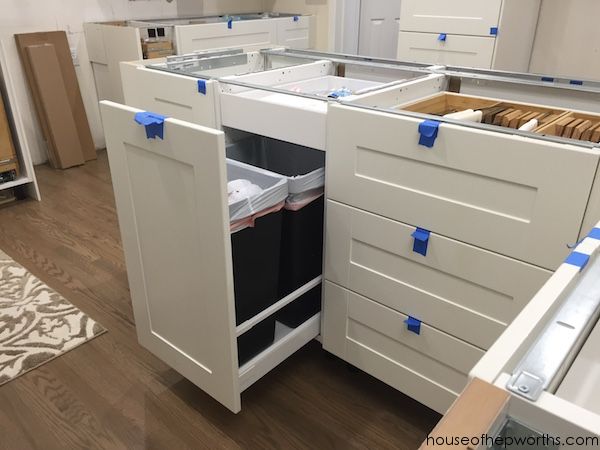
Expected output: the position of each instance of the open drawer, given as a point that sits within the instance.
(291, 103)
(548, 359)
(497, 191)
(172, 201)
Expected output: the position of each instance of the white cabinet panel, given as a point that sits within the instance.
(456, 286)
(468, 51)
(474, 17)
(430, 367)
(378, 33)
(172, 95)
(295, 32)
(520, 197)
(172, 202)
(250, 34)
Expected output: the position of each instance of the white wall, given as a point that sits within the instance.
(567, 41)
(208, 7)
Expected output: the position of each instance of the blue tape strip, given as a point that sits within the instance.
(494, 31)
(548, 79)
(154, 123)
(421, 242)
(296, 18)
(429, 132)
(413, 325)
(576, 82)
(202, 86)
(578, 259)
(230, 24)
(595, 233)
(442, 37)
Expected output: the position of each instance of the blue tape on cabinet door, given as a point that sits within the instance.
(154, 124)
(202, 86)
(442, 37)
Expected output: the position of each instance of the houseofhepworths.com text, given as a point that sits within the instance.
(512, 441)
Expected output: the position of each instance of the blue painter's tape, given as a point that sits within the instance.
(230, 24)
(429, 132)
(576, 82)
(578, 259)
(442, 37)
(296, 18)
(154, 123)
(202, 86)
(421, 242)
(548, 79)
(595, 233)
(494, 31)
(413, 325)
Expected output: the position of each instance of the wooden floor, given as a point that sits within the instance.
(111, 393)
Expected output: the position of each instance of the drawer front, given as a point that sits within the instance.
(495, 191)
(473, 17)
(468, 51)
(431, 367)
(251, 34)
(456, 286)
(294, 33)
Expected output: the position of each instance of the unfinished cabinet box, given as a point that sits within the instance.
(547, 360)
(111, 43)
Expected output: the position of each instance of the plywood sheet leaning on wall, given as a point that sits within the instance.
(8, 157)
(55, 108)
(67, 71)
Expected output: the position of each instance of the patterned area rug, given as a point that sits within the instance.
(36, 323)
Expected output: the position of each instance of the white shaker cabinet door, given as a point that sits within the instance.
(171, 200)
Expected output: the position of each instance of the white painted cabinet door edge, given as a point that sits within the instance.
(174, 220)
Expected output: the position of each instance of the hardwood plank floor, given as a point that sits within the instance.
(111, 393)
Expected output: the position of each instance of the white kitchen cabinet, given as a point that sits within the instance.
(469, 17)
(171, 197)
(111, 43)
(491, 34)
(494, 206)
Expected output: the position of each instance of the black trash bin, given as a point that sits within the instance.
(256, 249)
(302, 231)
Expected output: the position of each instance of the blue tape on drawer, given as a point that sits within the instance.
(442, 37)
(429, 132)
(202, 86)
(413, 325)
(421, 241)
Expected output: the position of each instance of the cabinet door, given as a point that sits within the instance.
(474, 17)
(172, 202)
(295, 32)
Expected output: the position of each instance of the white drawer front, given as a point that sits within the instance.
(524, 198)
(430, 367)
(456, 286)
(474, 17)
(468, 51)
(294, 33)
(251, 34)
